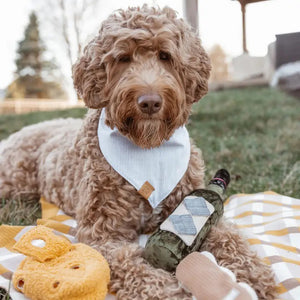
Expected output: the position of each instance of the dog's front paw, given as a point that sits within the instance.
(133, 278)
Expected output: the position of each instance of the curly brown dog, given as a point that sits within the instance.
(147, 68)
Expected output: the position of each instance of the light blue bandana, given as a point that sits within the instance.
(155, 171)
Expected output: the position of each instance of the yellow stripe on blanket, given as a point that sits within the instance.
(48, 210)
(251, 213)
(291, 261)
(7, 236)
(276, 258)
(278, 245)
(3, 270)
(284, 231)
(54, 225)
(286, 285)
(268, 222)
(281, 289)
(264, 202)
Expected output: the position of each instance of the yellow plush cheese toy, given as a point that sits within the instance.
(56, 269)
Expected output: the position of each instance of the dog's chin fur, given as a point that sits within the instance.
(148, 133)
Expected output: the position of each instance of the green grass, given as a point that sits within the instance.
(18, 212)
(12, 123)
(254, 133)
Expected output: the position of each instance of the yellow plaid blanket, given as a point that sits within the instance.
(270, 221)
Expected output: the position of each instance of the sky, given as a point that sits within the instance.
(220, 22)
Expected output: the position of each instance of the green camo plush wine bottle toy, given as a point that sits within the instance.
(186, 228)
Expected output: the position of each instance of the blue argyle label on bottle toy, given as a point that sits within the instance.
(188, 218)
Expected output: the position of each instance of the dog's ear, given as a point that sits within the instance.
(89, 77)
(196, 67)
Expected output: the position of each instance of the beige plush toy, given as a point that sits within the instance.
(56, 269)
(206, 280)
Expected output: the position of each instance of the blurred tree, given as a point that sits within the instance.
(219, 64)
(70, 21)
(35, 76)
(69, 25)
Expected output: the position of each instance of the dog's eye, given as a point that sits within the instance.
(124, 58)
(164, 55)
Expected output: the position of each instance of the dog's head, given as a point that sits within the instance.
(147, 67)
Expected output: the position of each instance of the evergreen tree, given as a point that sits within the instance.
(34, 74)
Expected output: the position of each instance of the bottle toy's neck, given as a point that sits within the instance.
(216, 188)
(220, 182)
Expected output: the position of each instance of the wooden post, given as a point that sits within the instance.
(243, 7)
(191, 13)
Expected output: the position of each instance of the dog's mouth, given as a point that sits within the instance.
(128, 122)
(148, 132)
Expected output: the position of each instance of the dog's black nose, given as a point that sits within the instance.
(150, 103)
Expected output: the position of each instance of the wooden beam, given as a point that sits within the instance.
(243, 7)
(191, 13)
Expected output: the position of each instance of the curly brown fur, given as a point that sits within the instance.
(137, 51)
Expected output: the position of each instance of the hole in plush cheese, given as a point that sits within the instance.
(75, 267)
(21, 284)
(38, 243)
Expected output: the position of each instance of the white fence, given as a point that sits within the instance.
(20, 106)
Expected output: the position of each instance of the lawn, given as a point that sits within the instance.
(254, 133)
(12, 123)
